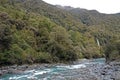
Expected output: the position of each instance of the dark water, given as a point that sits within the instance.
(48, 73)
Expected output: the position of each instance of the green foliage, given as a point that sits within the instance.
(5, 37)
(112, 51)
(44, 58)
(32, 31)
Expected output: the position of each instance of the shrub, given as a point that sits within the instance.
(112, 51)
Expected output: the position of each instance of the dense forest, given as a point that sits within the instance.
(32, 31)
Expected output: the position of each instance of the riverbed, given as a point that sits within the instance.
(95, 69)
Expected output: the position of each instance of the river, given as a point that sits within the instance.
(75, 71)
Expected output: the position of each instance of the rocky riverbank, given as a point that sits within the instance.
(91, 71)
(109, 71)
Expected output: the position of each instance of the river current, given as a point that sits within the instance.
(53, 72)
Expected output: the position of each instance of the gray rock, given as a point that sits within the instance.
(1, 73)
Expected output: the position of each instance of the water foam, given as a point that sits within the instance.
(73, 66)
(30, 74)
(41, 72)
(35, 73)
(19, 77)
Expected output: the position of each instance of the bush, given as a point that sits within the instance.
(112, 51)
(43, 58)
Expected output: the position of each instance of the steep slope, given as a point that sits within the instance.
(90, 17)
(31, 38)
(32, 31)
(104, 27)
(109, 23)
(59, 16)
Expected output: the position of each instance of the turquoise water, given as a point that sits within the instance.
(47, 73)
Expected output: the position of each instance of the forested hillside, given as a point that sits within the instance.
(32, 31)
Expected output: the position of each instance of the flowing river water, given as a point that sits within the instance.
(55, 72)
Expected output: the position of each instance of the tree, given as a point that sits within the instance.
(112, 51)
(5, 37)
(3, 1)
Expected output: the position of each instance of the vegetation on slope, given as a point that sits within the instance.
(112, 51)
(32, 31)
